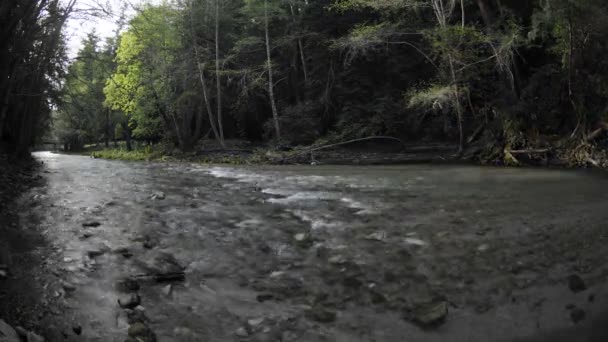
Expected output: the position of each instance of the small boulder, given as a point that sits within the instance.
(168, 290)
(129, 301)
(431, 314)
(241, 332)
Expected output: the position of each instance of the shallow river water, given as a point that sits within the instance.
(321, 253)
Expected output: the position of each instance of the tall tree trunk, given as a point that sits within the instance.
(217, 70)
(300, 45)
(458, 105)
(275, 114)
(201, 76)
(107, 135)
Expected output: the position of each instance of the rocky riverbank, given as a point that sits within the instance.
(20, 304)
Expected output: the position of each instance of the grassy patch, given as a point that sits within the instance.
(143, 154)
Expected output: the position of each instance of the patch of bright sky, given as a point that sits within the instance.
(104, 22)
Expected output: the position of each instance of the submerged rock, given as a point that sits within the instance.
(141, 332)
(127, 285)
(431, 314)
(576, 283)
(577, 315)
(320, 314)
(162, 267)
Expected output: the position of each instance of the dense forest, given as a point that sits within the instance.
(493, 77)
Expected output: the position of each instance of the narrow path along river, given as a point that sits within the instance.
(295, 253)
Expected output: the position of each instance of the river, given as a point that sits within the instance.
(319, 253)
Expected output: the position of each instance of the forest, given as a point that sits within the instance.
(495, 78)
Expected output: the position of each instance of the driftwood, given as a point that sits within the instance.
(595, 134)
(530, 151)
(379, 137)
(161, 277)
(476, 134)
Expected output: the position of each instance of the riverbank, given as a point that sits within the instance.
(565, 154)
(21, 292)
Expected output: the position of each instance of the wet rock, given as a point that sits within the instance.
(26, 336)
(158, 196)
(168, 290)
(337, 260)
(68, 287)
(91, 224)
(377, 236)
(265, 297)
(577, 315)
(77, 330)
(86, 235)
(484, 247)
(124, 251)
(162, 267)
(254, 324)
(141, 332)
(127, 285)
(303, 240)
(576, 283)
(97, 251)
(241, 332)
(136, 315)
(414, 242)
(431, 314)
(150, 243)
(320, 314)
(129, 301)
(184, 333)
(7, 333)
